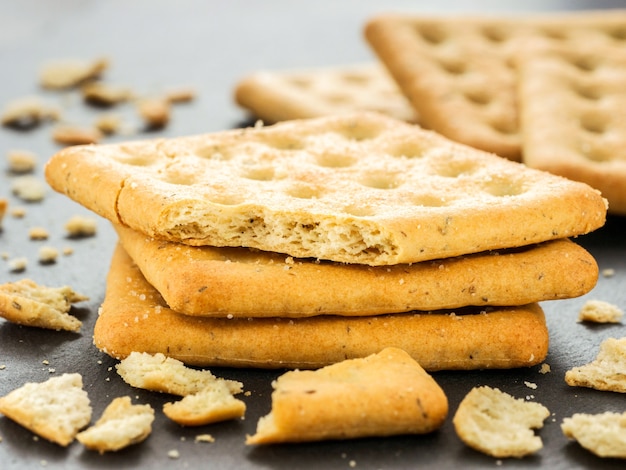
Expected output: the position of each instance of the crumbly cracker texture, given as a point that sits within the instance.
(498, 424)
(606, 372)
(56, 409)
(27, 303)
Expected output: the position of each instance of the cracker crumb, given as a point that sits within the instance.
(67, 73)
(180, 95)
(38, 233)
(3, 366)
(108, 124)
(79, 226)
(531, 385)
(29, 188)
(18, 265)
(545, 368)
(68, 250)
(155, 112)
(173, 454)
(599, 311)
(21, 161)
(18, 212)
(105, 94)
(608, 272)
(204, 438)
(352, 463)
(68, 134)
(48, 255)
(28, 112)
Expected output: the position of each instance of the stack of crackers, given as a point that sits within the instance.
(311, 241)
(548, 90)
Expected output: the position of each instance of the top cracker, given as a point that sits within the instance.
(459, 74)
(359, 188)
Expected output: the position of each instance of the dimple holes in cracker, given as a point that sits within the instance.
(451, 168)
(331, 159)
(432, 34)
(452, 66)
(504, 128)
(258, 173)
(380, 180)
(359, 132)
(355, 78)
(584, 63)
(588, 92)
(428, 200)
(594, 122)
(359, 211)
(619, 33)
(494, 34)
(407, 150)
(480, 97)
(303, 190)
(501, 186)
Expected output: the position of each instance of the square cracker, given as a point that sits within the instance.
(573, 112)
(359, 188)
(383, 394)
(283, 95)
(134, 317)
(458, 71)
(220, 282)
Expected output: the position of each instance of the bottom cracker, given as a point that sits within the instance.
(134, 317)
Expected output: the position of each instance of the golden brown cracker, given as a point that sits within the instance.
(134, 317)
(359, 188)
(210, 281)
(383, 394)
(281, 95)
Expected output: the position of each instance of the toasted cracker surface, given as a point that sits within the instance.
(360, 188)
(458, 71)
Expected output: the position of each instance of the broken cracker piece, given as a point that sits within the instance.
(603, 434)
(78, 226)
(165, 374)
(28, 112)
(26, 303)
(21, 161)
(121, 425)
(155, 112)
(498, 424)
(606, 372)
(599, 311)
(68, 134)
(383, 394)
(212, 404)
(55, 409)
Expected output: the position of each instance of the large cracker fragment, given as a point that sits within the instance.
(498, 424)
(122, 424)
(384, 394)
(359, 188)
(603, 434)
(27, 303)
(55, 409)
(164, 374)
(606, 372)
